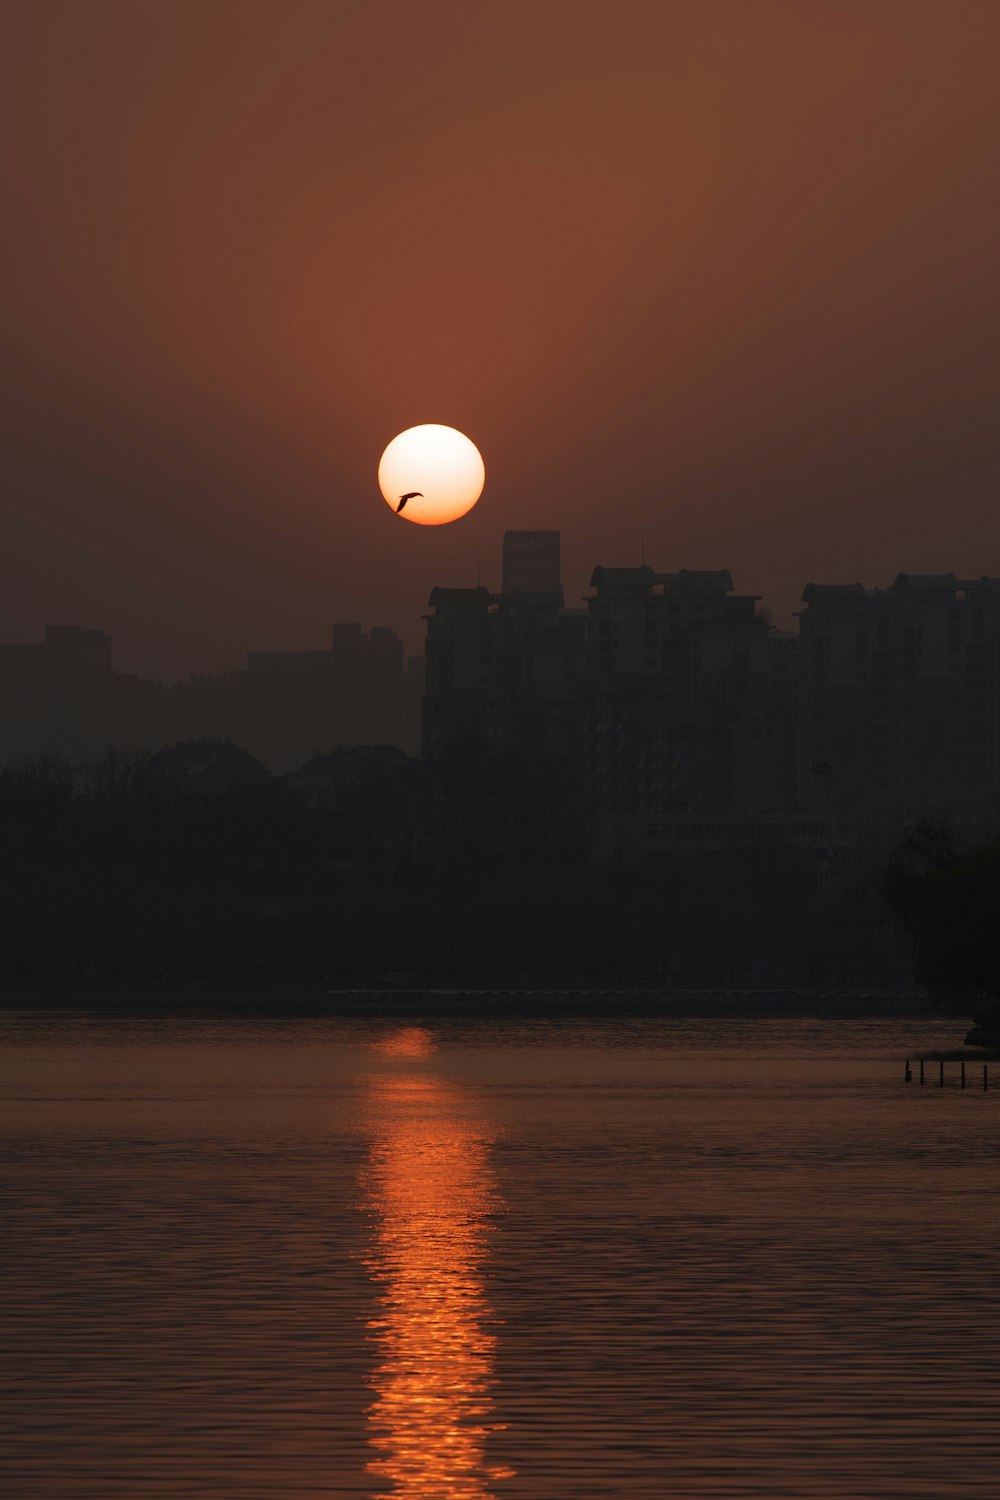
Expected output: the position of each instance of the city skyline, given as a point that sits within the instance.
(695, 273)
(487, 572)
(661, 699)
(140, 649)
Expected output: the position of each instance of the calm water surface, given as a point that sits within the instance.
(277, 1260)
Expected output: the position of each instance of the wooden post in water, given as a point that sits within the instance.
(963, 1074)
(986, 1078)
(941, 1074)
(907, 1072)
(921, 1070)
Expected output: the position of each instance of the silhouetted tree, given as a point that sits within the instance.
(947, 900)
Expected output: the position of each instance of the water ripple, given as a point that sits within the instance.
(373, 1261)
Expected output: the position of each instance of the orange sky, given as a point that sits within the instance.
(725, 273)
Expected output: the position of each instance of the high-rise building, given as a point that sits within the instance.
(414, 687)
(677, 708)
(504, 670)
(382, 694)
(899, 702)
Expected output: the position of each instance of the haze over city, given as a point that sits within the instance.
(723, 275)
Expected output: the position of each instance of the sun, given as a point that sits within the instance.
(431, 474)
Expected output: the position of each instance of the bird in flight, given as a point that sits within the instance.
(413, 495)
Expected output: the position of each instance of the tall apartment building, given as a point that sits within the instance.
(899, 704)
(679, 712)
(503, 671)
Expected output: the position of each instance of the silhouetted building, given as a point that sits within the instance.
(292, 705)
(678, 712)
(209, 706)
(381, 707)
(667, 702)
(730, 839)
(504, 670)
(60, 697)
(778, 745)
(414, 687)
(286, 705)
(211, 766)
(334, 778)
(669, 692)
(899, 703)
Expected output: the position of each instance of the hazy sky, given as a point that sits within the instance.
(723, 271)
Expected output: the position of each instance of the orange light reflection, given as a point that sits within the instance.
(408, 1041)
(432, 1192)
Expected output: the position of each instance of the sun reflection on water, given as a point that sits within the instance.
(433, 1196)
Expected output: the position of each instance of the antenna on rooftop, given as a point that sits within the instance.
(642, 547)
(479, 582)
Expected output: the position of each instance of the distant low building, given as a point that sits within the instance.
(211, 766)
(60, 696)
(287, 704)
(334, 777)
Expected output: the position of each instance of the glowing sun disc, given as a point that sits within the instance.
(439, 468)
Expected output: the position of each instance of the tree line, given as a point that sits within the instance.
(123, 872)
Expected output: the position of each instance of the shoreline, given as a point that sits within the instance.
(432, 1001)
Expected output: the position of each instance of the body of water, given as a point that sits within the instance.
(471, 1260)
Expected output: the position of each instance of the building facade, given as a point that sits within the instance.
(898, 703)
(504, 671)
(679, 709)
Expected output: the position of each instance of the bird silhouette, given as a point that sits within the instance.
(413, 494)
